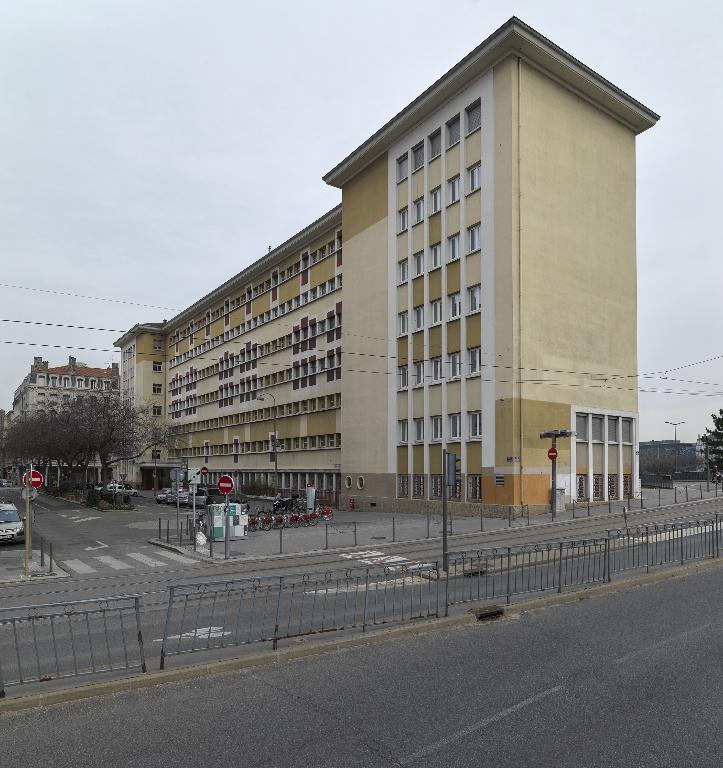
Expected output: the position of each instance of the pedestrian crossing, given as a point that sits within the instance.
(126, 562)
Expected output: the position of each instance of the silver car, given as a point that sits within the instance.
(12, 528)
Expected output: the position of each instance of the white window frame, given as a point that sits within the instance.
(419, 317)
(475, 424)
(474, 238)
(403, 271)
(403, 323)
(455, 365)
(437, 434)
(418, 263)
(403, 372)
(435, 200)
(403, 219)
(474, 360)
(453, 189)
(403, 431)
(419, 430)
(419, 373)
(455, 305)
(403, 167)
(436, 368)
(418, 205)
(453, 247)
(455, 426)
(435, 256)
(435, 311)
(474, 178)
(474, 298)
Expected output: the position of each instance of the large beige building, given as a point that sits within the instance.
(489, 294)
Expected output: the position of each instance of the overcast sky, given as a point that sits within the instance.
(150, 149)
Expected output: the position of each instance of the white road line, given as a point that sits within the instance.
(78, 566)
(85, 519)
(175, 556)
(100, 546)
(470, 729)
(116, 565)
(661, 643)
(146, 560)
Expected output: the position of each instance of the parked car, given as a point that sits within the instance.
(115, 487)
(171, 497)
(162, 495)
(129, 489)
(12, 528)
(4, 483)
(201, 498)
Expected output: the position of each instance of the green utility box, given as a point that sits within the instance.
(239, 521)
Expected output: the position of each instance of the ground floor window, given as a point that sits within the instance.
(597, 487)
(435, 486)
(418, 486)
(627, 486)
(474, 488)
(613, 487)
(581, 487)
(403, 486)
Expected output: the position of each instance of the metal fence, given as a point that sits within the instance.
(241, 611)
(39, 643)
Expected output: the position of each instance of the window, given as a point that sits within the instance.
(612, 429)
(402, 167)
(403, 271)
(419, 430)
(156, 455)
(453, 190)
(157, 367)
(435, 256)
(627, 430)
(435, 197)
(581, 426)
(418, 374)
(418, 156)
(473, 178)
(473, 235)
(435, 144)
(402, 323)
(475, 359)
(474, 298)
(157, 410)
(156, 389)
(403, 220)
(436, 427)
(418, 210)
(597, 428)
(474, 117)
(403, 377)
(436, 310)
(403, 431)
(455, 366)
(454, 426)
(419, 317)
(157, 344)
(418, 263)
(436, 368)
(455, 308)
(475, 424)
(453, 131)
(453, 247)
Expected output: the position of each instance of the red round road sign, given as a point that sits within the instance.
(204, 471)
(552, 454)
(36, 480)
(225, 484)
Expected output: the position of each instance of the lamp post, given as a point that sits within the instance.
(274, 442)
(552, 454)
(675, 425)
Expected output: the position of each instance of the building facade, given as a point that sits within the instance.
(143, 385)
(489, 295)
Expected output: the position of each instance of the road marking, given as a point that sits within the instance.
(377, 557)
(661, 643)
(175, 556)
(203, 632)
(146, 560)
(84, 519)
(78, 566)
(100, 546)
(470, 729)
(116, 565)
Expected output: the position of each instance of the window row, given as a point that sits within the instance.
(473, 121)
(474, 175)
(434, 260)
(454, 424)
(436, 369)
(596, 428)
(454, 310)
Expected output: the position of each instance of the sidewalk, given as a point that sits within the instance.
(12, 566)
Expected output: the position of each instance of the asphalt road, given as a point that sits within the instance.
(629, 679)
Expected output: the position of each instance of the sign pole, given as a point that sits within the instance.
(194, 518)
(554, 476)
(226, 531)
(445, 553)
(28, 541)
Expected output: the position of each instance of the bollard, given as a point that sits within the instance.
(195, 533)
(355, 533)
(642, 505)
(528, 514)
(700, 486)
(686, 492)
(326, 526)
(481, 521)
(428, 516)
(658, 495)
(227, 537)
(168, 531)
(394, 528)
(451, 531)
(42, 553)
(588, 506)
(51, 557)
(159, 529)
(610, 508)
(573, 509)
(509, 516)
(675, 494)
(281, 540)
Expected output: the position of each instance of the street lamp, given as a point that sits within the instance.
(552, 454)
(274, 442)
(675, 425)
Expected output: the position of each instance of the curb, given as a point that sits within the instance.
(270, 657)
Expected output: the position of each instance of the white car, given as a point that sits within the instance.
(12, 528)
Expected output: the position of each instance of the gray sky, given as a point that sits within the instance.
(151, 149)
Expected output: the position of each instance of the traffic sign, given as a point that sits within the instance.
(194, 477)
(225, 484)
(552, 454)
(204, 471)
(33, 494)
(36, 480)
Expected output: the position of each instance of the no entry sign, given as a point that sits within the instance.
(552, 454)
(225, 484)
(204, 471)
(36, 479)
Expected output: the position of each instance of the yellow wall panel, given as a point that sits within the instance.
(434, 173)
(435, 341)
(452, 161)
(473, 209)
(417, 291)
(453, 220)
(473, 148)
(453, 277)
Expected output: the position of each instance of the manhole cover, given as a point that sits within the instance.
(377, 538)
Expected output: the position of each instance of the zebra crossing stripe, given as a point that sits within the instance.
(115, 564)
(175, 556)
(149, 561)
(78, 566)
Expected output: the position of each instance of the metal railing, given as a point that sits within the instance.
(236, 612)
(46, 642)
